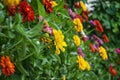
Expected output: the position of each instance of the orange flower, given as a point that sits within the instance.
(105, 38)
(7, 66)
(91, 47)
(85, 15)
(99, 27)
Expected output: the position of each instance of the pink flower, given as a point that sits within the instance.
(47, 29)
(92, 22)
(40, 18)
(97, 39)
(80, 52)
(117, 50)
(71, 13)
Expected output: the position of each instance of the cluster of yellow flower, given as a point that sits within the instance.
(83, 65)
(45, 39)
(84, 8)
(103, 53)
(53, 3)
(76, 40)
(11, 2)
(78, 25)
(59, 41)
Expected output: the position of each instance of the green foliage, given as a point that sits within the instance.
(108, 13)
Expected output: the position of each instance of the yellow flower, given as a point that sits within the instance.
(78, 25)
(64, 77)
(46, 41)
(59, 41)
(103, 53)
(83, 6)
(83, 65)
(53, 3)
(76, 40)
(11, 2)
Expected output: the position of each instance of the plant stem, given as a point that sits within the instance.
(16, 44)
(68, 30)
(90, 31)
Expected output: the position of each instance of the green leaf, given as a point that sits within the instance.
(22, 77)
(27, 56)
(56, 58)
(2, 16)
(11, 34)
(59, 6)
(41, 10)
(36, 45)
(1, 6)
(115, 27)
(79, 11)
(106, 24)
(21, 68)
(2, 35)
(18, 18)
(44, 61)
(36, 30)
(20, 29)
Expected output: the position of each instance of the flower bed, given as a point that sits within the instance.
(46, 40)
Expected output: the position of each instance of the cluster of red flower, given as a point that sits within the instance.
(48, 6)
(26, 11)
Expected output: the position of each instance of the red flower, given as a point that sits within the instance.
(7, 66)
(77, 4)
(48, 6)
(112, 71)
(99, 27)
(26, 11)
(12, 10)
(65, 6)
(105, 38)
